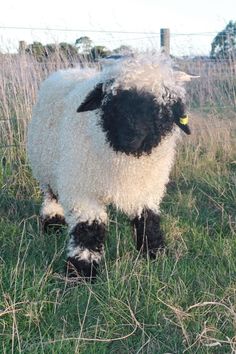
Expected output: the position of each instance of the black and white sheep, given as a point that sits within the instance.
(100, 137)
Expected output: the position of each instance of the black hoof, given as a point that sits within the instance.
(52, 224)
(81, 270)
(153, 252)
(149, 237)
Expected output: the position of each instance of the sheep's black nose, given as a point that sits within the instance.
(133, 146)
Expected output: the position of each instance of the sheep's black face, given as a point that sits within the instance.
(135, 123)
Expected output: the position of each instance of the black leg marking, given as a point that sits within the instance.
(149, 236)
(85, 250)
(81, 269)
(52, 223)
(52, 217)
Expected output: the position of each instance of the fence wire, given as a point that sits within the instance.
(21, 75)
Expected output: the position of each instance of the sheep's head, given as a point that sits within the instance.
(140, 102)
(133, 121)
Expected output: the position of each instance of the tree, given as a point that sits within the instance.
(37, 50)
(68, 50)
(42, 52)
(124, 50)
(224, 44)
(84, 45)
(99, 51)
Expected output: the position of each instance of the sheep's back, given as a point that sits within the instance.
(44, 128)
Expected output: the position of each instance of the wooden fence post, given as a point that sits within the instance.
(165, 40)
(22, 47)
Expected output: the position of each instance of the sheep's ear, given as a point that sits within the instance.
(182, 122)
(181, 118)
(93, 99)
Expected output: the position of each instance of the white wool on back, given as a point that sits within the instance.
(68, 150)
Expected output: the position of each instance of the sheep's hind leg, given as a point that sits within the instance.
(85, 250)
(149, 236)
(51, 213)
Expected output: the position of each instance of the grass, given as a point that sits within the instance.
(184, 302)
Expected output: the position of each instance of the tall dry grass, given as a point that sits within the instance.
(213, 95)
(215, 91)
(212, 140)
(20, 77)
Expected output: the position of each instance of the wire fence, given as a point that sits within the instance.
(20, 76)
(181, 43)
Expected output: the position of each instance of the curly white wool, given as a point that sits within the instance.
(150, 73)
(68, 150)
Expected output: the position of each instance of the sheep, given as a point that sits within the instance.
(101, 136)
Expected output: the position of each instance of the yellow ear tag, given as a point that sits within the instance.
(184, 120)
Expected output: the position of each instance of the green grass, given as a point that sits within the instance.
(184, 302)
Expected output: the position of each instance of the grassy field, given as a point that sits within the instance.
(185, 302)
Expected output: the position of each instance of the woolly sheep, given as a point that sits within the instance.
(106, 136)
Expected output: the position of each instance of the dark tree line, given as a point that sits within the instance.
(42, 52)
(224, 44)
(82, 49)
(223, 47)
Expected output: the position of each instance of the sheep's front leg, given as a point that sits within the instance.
(51, 213)
(85, 249)
(149, 236)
